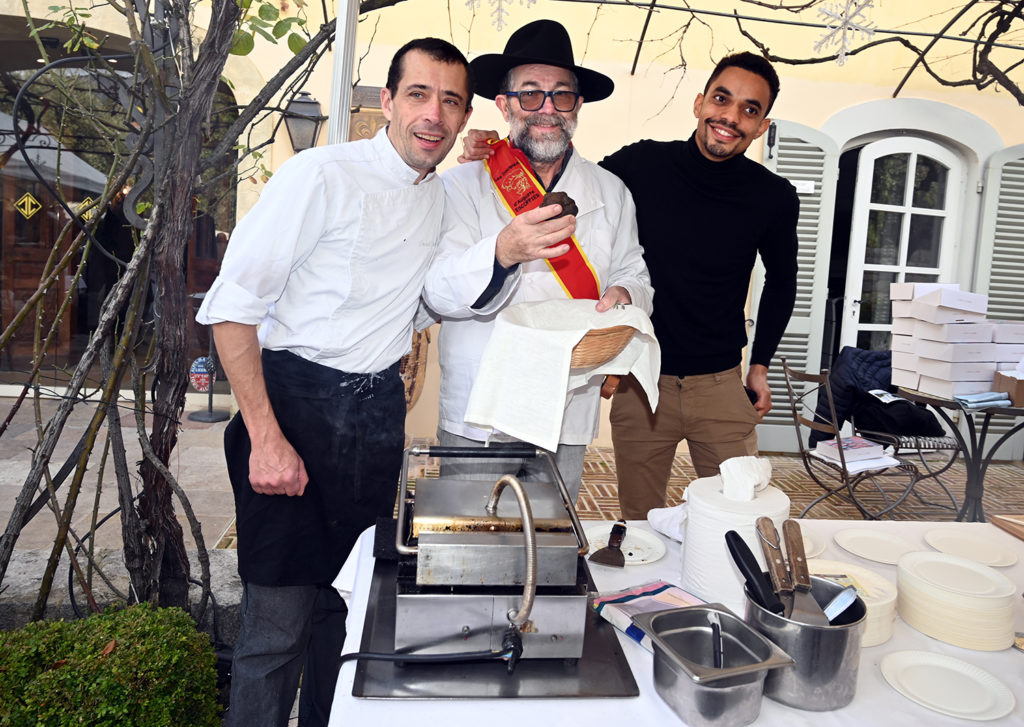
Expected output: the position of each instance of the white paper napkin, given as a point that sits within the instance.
(524, 379)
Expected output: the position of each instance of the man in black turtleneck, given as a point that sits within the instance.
(704, 213)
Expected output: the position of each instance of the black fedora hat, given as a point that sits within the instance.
(545, 42)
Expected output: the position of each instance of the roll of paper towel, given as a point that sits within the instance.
(708, 569)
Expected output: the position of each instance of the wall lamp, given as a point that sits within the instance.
(303, 120)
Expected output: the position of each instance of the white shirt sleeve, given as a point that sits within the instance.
(276, 236)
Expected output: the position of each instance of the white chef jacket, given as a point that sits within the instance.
(605, 229)
(330, 261)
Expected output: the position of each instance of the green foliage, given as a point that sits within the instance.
(267, 23)
(138, 666)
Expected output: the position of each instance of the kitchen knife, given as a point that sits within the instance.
(757, 584)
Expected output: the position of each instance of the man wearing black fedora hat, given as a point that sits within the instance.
(501, 246)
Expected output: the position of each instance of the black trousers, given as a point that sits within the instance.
(349, 431)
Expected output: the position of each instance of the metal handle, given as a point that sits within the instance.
(499, 452)
(518, 618)
(772, 550)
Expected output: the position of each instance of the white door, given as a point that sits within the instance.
(907, 194)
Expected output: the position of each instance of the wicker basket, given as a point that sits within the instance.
(600, 345)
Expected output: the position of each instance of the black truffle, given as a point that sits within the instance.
(568, 205)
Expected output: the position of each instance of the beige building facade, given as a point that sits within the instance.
(839, 135)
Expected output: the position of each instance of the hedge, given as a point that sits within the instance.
(140, 666)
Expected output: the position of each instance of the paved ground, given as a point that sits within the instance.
(197, 464)
(199, 467)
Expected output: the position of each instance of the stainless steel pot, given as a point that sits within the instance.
(823, 676)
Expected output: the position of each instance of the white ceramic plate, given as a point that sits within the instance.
(947, 685)
(972, 545)
(639, 547)
(877, 546)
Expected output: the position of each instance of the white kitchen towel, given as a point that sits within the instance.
(524, 379)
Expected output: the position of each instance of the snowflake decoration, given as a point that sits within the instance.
(844, 20)
(500, 10)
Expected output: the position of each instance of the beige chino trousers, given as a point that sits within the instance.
(711, 412)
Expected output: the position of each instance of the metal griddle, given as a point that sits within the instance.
(469, 569)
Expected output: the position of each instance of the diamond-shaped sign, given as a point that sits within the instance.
(27, 205)
(90, 212)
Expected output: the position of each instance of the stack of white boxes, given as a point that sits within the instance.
(943, 345)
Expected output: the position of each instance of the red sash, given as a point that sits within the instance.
(520, 191)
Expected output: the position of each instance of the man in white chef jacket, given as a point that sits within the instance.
(329, 265)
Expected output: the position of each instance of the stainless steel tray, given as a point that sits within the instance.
(602, 671)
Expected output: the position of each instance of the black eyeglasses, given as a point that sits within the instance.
(534, 100)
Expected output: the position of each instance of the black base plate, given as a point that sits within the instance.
(602, 671)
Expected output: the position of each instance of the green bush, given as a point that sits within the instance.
(139, 666)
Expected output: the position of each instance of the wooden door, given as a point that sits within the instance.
(30, 226)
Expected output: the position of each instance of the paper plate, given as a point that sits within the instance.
(873, 545)
(956, 575)
(639, 547)
(814, 544)
(972, 545)
(947, 685)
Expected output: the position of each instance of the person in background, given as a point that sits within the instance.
(491, 258)
(329, 266)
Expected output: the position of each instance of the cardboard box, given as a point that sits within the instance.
(956, 352)
(903, 344)
(909, 291)
(925, 311)
(954, 332)
(1012, 383)
(905, 361)
(949, 389)
(958, 299)
(1009, 351)
(1008, 331)
(966, 371)
(903, 326)
(902, 309)
(906, 379)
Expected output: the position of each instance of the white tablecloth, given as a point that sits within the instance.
(876, 702)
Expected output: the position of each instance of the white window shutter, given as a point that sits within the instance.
(810, 160)
(1000, 254)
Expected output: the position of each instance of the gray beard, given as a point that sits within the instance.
(547, 150)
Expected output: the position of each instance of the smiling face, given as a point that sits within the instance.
(427, 111)
(731, 114)
(543, 135)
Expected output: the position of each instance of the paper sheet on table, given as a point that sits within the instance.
(524, 380)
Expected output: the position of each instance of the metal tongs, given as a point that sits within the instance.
(792, 583)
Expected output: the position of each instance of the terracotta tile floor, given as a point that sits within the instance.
(1004, 490)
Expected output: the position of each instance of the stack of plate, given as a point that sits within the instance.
(956, 600)
(878, 594)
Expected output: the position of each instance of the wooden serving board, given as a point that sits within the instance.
(1013, 524)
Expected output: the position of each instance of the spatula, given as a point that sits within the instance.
(805, 608)
(611, 554)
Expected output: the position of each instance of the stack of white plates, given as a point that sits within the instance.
(878, 594)
(956, 600)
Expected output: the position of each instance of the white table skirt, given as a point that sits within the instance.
(876, 702)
